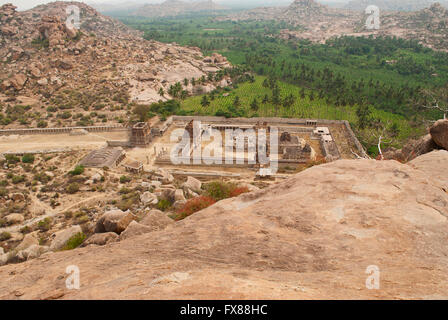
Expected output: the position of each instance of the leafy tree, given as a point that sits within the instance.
(265, 99)
(363, 113)
(312, 96)
(142, 111)
(205, 102)
(254, 104)
(276, 96)
(236, 102)
(394, 130)
(28, 158)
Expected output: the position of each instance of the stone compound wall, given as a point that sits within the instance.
(30, 131)
(280, 121)
(43, 151)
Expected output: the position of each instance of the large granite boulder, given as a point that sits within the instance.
(439, 133)
(101, 239)
(193, 184)
(62, 237)
(114, 221)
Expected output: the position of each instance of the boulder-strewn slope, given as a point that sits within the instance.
(102, 67)
(311, 236)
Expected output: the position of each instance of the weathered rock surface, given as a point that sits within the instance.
(179, 195)
(114, 221)
(28, 241)
(439, 133)
(435, 140)
(101, 239)
(164, 176)
(14, 218)
(179, 204)
(31, 252)
(18, 81)
(311, 236)
(412, 149)
(434, 165)
(134, 229)
(165, 193)
(156, 220)
(63, 236)
(193, 184)
(249, 186)
(3, 259)
(17, 197)
(148, 198)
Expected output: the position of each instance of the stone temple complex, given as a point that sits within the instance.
(246, 144)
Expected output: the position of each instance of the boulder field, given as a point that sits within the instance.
(312, 236)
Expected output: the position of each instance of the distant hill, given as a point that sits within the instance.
(428, 26)
(171, 8)
(393, 5)
(115, 8)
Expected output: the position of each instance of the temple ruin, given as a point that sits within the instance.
(299, 140)
(140, 135)
(105, 157)
(147, 144)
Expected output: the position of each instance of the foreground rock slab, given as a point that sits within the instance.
(114, 221)
(310, 237)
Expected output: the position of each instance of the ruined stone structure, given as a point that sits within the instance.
(105, 157)
(294, 148)
(247, 149)
(140, 135)
(133, 166)
(65, 130)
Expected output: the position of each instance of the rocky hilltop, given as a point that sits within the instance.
(320, 23)
(103, 66)
(170, 8)
(306, 7)
(282, 242)
(393, 5)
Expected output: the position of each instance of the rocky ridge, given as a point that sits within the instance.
(320, 23)
(392, 5)
(282, 242)
(102, 66)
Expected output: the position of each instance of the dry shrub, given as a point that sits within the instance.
(192, 206)
(219, 190)
(235, 192)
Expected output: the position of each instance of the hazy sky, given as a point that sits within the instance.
(27, 4)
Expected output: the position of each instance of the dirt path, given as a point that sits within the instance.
(47, 215)
(58, 141)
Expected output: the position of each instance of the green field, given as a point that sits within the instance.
(341, 79)
(301, 108)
